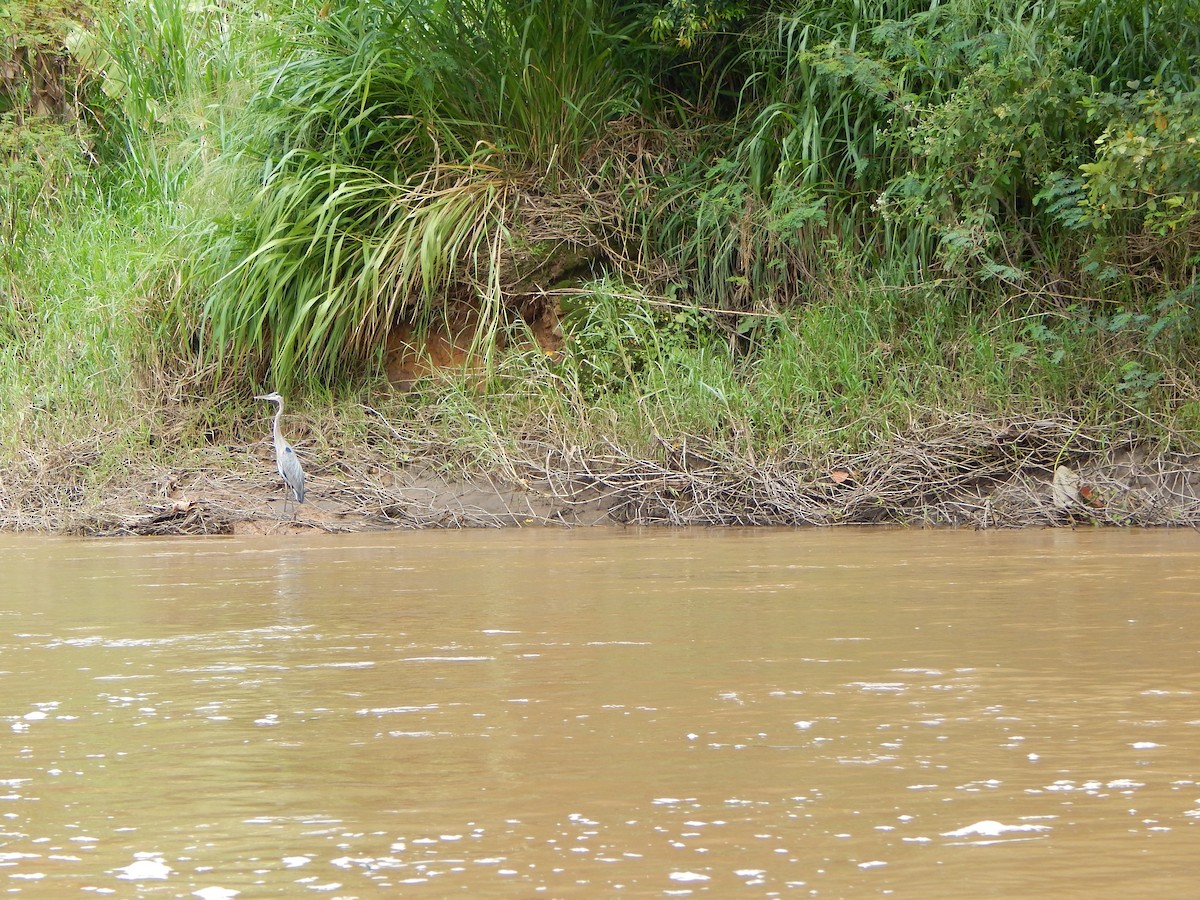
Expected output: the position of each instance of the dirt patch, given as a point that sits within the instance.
(457, 344)
(245, 496)
(962, 472)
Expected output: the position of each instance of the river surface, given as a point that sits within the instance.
(595, 713)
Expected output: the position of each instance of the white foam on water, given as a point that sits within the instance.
(215, 893)
(689, 876)
(144, 869)
(888, 686)
(992, 828)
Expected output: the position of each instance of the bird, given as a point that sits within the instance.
(286, 460)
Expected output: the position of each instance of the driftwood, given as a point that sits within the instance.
(963, 472)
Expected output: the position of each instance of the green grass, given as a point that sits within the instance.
(844, 374)
(75, 353)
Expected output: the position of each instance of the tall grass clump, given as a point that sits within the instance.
(415, 154)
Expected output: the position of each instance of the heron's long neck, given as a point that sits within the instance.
(278, 416)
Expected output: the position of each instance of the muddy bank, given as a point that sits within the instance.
(970, 472)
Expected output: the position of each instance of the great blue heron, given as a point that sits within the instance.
(286, 460)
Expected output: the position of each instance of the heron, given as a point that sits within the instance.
(286, 460)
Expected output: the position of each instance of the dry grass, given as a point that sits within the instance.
(960, 471)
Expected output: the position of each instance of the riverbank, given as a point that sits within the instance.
(960, 471)
(560, 277)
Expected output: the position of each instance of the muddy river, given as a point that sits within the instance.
(594, 713)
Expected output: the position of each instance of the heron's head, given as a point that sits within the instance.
(273, 397)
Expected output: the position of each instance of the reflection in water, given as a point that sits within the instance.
(836, 713)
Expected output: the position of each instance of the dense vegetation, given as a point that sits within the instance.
(774, 227)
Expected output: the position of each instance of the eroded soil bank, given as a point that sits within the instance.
(974, 472)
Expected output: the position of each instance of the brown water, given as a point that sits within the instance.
(599, 713)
